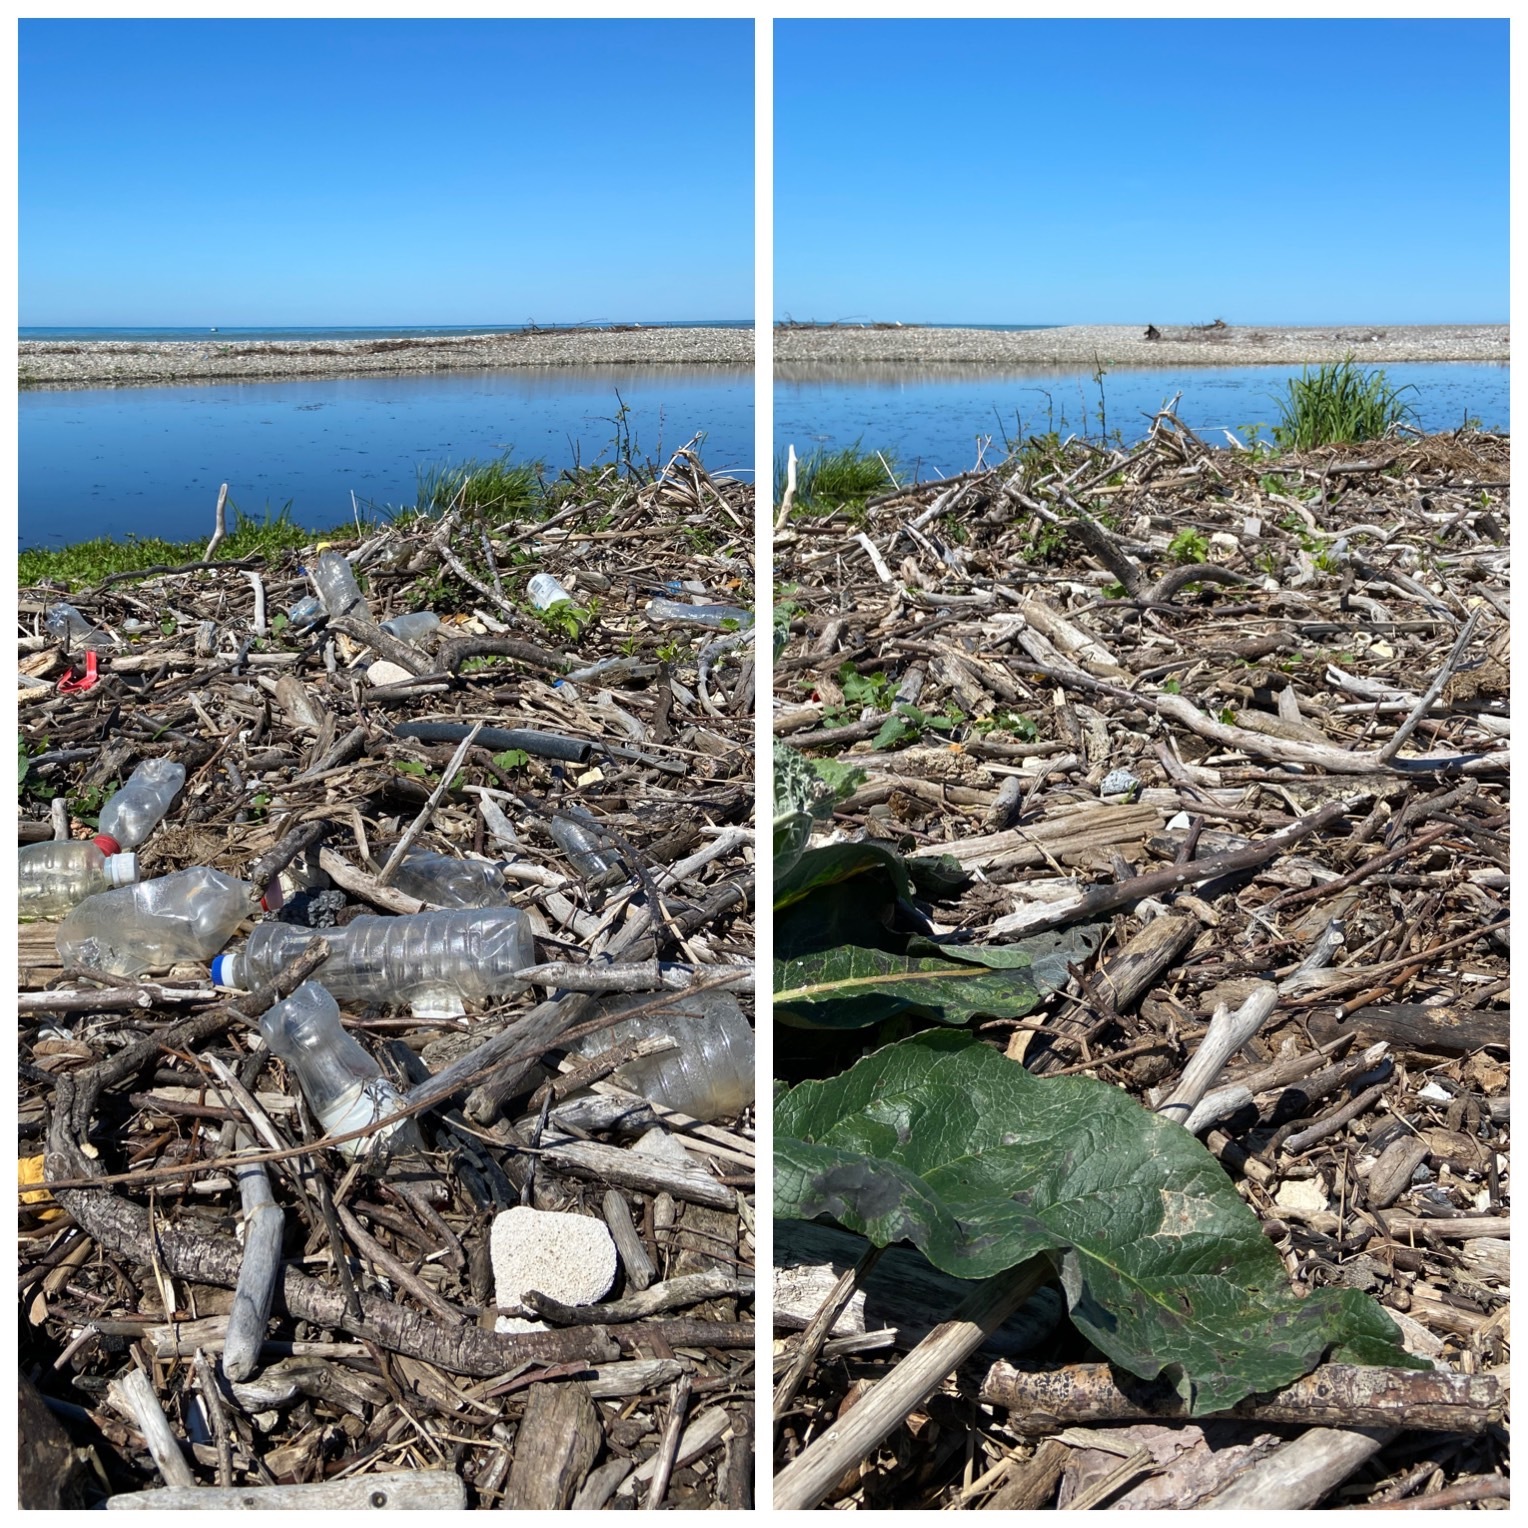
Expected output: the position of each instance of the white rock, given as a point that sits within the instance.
(569, 1257)
(1295, 1194)
(383, 672)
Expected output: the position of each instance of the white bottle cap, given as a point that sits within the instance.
(121, 869)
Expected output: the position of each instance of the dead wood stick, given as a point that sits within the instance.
(260, 1269)
(141, 995)
(134, 1397)
(397, 1270)
(1434, 690)
(1330, 1124)
(668, 1446)
(401, 1491)
(219, 524)
(809, 1344)
(671, 1294)
(1041, 1400)
(209, 1258)
(1098, 900)
(556, 1444)
(1227, 1033)
(804, 1482)
(427, 811)
(1470, 1488)
(1327, 756)
(1299, 1473)
(1379, 862)
(1127, 977)
(404, 654)
(1447, 1028)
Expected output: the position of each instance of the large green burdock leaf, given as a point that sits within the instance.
(851, 987)
(941, 1141)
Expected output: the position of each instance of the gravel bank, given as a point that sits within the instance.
(1121, 345)
(123, 363)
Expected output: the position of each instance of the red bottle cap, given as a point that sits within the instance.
(106, 843)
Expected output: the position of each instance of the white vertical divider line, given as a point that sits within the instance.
(764, 812)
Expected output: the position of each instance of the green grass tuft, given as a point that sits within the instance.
(498, 487)
(86, 563)
(1339, 404)
(831, 480)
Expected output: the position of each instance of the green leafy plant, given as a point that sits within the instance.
(938, 1139)
(831, 480)
(511, 759)
(1339, 404)
(1189, 546)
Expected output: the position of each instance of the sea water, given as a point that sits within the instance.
(148, 461)
(940, 420)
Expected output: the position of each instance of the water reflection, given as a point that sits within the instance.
(148, 461)
(937, 418)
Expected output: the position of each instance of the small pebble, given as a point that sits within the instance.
(1117, 782)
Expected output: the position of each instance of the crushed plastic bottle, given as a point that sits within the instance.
(138, 808)
(709, 1075)
(65, 624)
(668, 612)
(435, 961)
(190, 915)
(413, 627)
(344, 1087)
(306, 610)
(337, 588)
(545, 592)
(442, 880)
(583, 846)
(54, 876)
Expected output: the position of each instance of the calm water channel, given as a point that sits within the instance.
(148, 461)
(932, 420)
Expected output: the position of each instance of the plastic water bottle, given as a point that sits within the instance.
(65, 624)
(436, 962)
(445, 881)
(53, 876)
(413, 627)
(190, 915)
(344, 1087)
(137, 809)
(713, 617)
(337, 588)
(306, 610)
(709, 1075)
(545, 592)
(582, 845)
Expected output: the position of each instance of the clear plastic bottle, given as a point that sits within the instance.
(413, 627)
(190, 915)
(583, 846)
(138, 808)
(65, 624)
(545, 592)
(713, 617)
(442, 880)
(709, 1074)
(344, 1087)
(337, 588)
(306, 610)
(54, 876)
(436, 961)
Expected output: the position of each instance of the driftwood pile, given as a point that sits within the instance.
(1256, 711)
(382, 1381)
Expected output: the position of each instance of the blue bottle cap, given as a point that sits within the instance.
(222, 971)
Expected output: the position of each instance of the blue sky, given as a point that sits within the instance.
(1274, 172)
(249, 173)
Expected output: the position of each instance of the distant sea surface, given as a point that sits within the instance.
(383, 332)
